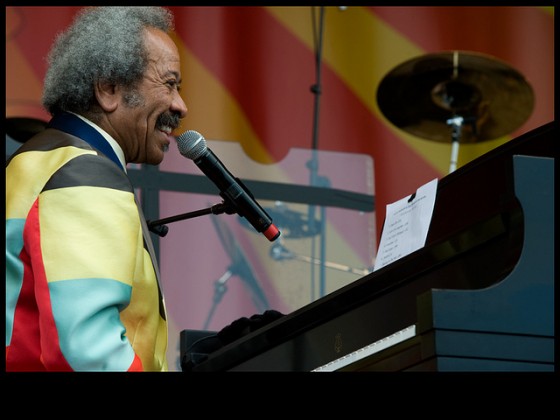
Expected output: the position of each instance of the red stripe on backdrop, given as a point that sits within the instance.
(494, 30)
(520, 36)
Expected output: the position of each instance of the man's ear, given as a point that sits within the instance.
(108, 95)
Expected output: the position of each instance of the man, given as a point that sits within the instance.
(82, 287)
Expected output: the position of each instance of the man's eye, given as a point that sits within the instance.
(173, 84)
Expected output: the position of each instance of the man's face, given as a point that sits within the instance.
(146, 115)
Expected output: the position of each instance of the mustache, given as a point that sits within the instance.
(169, 119)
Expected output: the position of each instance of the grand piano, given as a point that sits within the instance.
(479, 296)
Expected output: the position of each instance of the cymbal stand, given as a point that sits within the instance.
(456, 124)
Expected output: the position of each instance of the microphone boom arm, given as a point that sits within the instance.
(159, 226)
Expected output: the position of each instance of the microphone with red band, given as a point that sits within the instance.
(192, 145)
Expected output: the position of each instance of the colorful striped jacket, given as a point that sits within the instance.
(82, 292)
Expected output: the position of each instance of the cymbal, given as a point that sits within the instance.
(423, 94)
(22, 129)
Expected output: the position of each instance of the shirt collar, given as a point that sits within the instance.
(112, 142)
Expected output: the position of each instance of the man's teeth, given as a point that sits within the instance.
(166, 129)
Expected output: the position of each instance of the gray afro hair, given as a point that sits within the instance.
(102, 44)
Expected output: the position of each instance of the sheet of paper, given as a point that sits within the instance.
(407, 222)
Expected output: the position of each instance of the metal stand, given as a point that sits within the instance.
(313, 164)
(220, 289)
(457, 122)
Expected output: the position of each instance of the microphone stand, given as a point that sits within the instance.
(220, 288)
(240, 268)
(313, 164)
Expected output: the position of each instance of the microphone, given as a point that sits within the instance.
(192, 145)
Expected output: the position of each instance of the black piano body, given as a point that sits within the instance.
(479, 296)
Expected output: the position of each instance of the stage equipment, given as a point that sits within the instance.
(457, 97)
